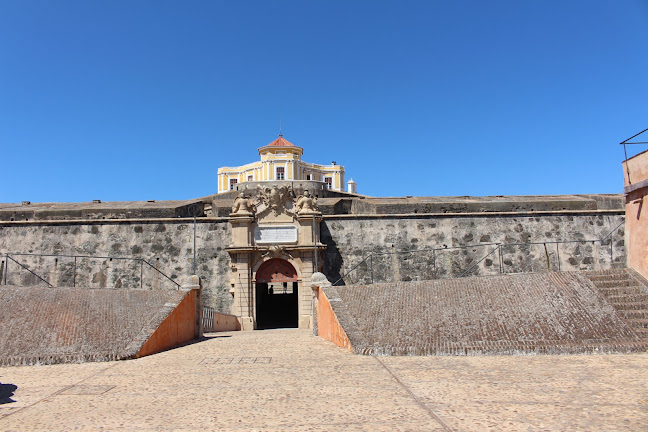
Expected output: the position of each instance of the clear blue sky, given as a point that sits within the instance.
(137, 100)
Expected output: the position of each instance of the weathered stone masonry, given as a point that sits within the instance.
(165, 243)
(402, 244)
(352, 228)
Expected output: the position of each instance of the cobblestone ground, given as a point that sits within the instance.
(288, 380)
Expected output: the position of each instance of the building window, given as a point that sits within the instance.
(250, 178)
(233, 183)
(329, 182)
(308, 176)
(280, 173)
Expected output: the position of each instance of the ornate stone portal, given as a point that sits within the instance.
(275, 239)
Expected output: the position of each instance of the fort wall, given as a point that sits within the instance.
(422, 247)
(422, 238)
(166, 244)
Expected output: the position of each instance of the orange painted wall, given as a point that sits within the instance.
(636, 213)
(638, 166)
(328, 326)
(225, 322)
(178, 327)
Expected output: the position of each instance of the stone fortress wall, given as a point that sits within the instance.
(436, 246)
(461, 230)
(166, 244)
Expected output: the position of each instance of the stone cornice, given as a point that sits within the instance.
(473, 214)
(635, 186)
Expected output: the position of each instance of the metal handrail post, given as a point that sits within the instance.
(434, 270)
(74, 274)
(372, 271)
(501, 260)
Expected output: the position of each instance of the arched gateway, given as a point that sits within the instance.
(274, 249)
(276, 295)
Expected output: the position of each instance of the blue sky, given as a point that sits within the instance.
(136, 100)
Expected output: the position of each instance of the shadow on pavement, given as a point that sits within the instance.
(6, 391)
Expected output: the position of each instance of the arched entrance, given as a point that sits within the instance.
(276, 295)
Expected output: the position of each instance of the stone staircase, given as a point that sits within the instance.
(627, 292)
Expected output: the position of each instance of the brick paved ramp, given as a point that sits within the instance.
(526, 313)
(57, 325)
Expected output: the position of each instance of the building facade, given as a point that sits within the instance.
(635, 176)
(281, 160)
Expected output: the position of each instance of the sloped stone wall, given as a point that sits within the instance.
(552, 313)
(60, 325)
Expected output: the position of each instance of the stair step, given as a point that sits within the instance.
(636, 314)
(605, 273)
(628, 298)
(622, 307)
(615, 283)
(608, 277)
(617, 291)
(638, 323)
(641, 332)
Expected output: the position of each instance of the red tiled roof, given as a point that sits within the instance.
(281, 142)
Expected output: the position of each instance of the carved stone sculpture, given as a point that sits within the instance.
(243, 206)
(276, 251)
(275, 198)
(306, 204)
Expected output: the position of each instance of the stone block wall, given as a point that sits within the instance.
(402, 246)
(166, 244)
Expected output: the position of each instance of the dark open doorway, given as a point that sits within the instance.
(276, 295)
(276, 305)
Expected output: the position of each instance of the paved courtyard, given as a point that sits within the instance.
(288, 380)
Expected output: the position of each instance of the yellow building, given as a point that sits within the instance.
(281, 160)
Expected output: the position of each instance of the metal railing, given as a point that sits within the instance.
(140, 264)
(625, 150)
(497, 248)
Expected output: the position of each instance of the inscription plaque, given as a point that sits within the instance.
(275, 234)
